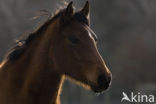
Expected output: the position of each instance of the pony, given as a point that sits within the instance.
(64, 46)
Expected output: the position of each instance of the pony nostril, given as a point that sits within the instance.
(109, 79)
(103, 80)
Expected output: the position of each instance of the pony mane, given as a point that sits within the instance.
(21, 45)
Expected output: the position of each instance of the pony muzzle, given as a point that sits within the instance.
(103, 83)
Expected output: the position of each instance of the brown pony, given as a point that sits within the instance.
(34, 70)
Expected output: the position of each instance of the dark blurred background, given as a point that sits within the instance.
(127, 41)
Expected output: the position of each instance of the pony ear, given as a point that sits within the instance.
(85, 9)
(68, 13)
(69, 10)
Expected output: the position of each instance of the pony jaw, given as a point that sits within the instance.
(88, 85)
(78, 82)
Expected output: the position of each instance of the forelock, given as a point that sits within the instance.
(80, 17)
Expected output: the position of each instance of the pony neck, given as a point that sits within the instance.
(37, 81)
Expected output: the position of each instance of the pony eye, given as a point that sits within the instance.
(74, 40)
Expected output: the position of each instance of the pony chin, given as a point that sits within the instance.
(87, 86)
(83, 84)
